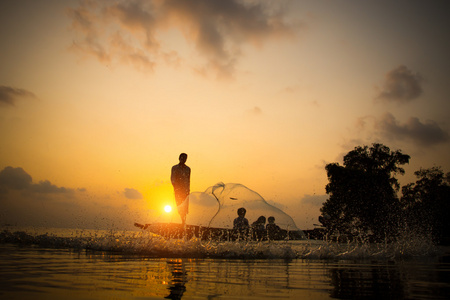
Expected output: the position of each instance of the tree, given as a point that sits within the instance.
(363, 192)
(426, 203)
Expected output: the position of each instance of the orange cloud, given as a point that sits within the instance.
(130, 31)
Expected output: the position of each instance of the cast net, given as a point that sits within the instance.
(217, 207)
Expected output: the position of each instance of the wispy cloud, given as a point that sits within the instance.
(86, 23)
(423, 133)
(9, 95)
(130, 31)
(401, 85)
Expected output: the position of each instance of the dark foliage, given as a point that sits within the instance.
(363, 197)
(426, 204)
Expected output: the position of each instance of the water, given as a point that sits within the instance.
(88, 264)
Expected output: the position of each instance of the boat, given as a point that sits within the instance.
(211, 214)
(178, 231)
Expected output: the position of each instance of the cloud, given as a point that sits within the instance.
(401, 85)
(25, 203)
(132, 194)
(85, 22)
(17, 179)
(130, 31)
(131, 56)
(46, 187)
(9, 95)
(425, 134)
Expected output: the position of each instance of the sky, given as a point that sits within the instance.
(98, 99)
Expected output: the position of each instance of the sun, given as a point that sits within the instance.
(167, 208)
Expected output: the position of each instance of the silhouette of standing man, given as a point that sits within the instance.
(181, 181)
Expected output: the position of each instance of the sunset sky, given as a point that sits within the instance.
(98, 99)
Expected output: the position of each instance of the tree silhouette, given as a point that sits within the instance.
(362, 193)
(426, 204)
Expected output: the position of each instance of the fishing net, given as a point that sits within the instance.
(218, 205)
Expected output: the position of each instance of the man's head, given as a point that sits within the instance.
(271, 220)
(241, 212)
(182, 158)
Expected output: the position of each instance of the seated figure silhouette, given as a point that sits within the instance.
(258, 228)
(240, 224)
(273, 230)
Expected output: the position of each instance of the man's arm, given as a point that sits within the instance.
(189, 180)
(173, 175)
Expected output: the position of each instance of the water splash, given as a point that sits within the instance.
(150, 245)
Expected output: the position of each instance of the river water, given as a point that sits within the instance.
(92, 264)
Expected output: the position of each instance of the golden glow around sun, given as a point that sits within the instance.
(167, 208)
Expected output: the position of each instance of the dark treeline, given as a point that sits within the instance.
(364, 197)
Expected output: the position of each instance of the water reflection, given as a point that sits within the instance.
(177, 285)
(411, 279)
(36, 273)
(376, 282)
